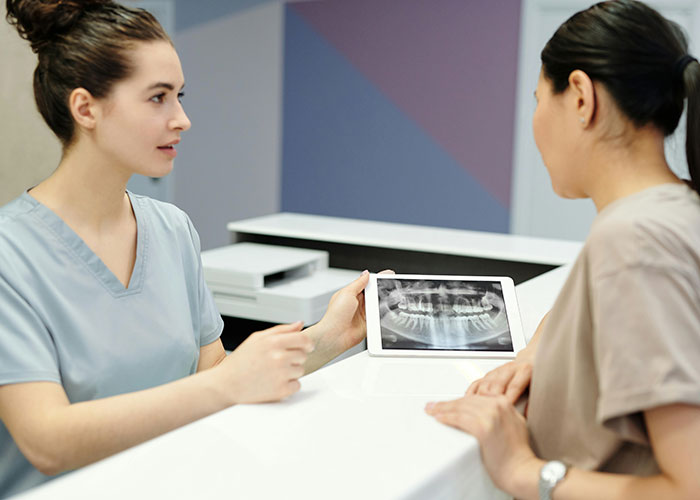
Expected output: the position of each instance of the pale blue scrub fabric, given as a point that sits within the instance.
(64, 317)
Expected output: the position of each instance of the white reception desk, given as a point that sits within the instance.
(356, 429)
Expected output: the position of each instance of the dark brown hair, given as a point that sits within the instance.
(641, 58)
(80, 43)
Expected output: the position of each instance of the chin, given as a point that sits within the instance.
(157, 173)
(561, 191)
(568, 194)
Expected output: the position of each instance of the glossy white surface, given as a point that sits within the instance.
(411, 237)
(356, 430)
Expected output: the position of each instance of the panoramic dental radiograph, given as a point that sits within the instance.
(442, 314)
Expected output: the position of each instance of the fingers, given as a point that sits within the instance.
(496, 383)
(293, 386)
(518, 384)
(443, 406)
(295, 372)
(288, 336)
(285, 390)
(284, 328)
(360, 283)
(457, 420)
(296, 358)
(293, 341)
(456, 413)
(473, 414)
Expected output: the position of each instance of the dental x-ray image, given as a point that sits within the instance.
(443, 315)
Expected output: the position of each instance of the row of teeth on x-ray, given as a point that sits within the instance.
(461, 306)
(474, 323)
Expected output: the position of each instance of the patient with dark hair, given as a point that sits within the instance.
(611, 376)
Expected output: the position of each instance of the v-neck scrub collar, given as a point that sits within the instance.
(83, 253)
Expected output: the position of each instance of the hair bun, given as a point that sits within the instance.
(41, 21)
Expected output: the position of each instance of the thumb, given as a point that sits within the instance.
(359, 284)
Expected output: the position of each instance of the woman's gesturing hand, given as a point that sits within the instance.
(267, 365)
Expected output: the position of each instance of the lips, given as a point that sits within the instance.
(169, 148)
(169, 145)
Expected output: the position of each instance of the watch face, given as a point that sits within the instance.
(553, 471)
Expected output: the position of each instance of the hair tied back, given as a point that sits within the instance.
(681, 64)
(40, 21)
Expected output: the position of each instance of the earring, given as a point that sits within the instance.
(582, 119)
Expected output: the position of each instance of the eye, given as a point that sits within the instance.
(158, 99)
(180, 95)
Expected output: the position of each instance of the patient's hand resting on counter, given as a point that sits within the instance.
(512, 378)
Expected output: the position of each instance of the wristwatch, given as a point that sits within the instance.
(550, 475)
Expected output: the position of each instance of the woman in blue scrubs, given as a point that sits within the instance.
(108, 334)
(613, 373)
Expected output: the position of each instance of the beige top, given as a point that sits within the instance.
(623, 336)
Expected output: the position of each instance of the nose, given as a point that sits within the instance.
(180, 120)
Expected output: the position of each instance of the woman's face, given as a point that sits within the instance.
(556, 129)
(141, 120)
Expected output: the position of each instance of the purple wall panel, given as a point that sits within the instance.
(450, 65)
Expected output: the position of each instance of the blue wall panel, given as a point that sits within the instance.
(350, 152)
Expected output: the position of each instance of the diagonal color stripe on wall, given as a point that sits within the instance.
(349, 152)
(189, 14)
(448, 64)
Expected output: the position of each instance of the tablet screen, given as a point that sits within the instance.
(451, 315)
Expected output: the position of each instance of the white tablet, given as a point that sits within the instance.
(446, 316)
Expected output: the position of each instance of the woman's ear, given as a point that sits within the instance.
(82, 106)
(583, 96)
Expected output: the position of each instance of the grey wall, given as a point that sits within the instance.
(228, 164)
(29, 151)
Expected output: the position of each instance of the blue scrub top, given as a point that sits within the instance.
(64, 317)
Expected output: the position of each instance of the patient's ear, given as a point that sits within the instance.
(583, 96)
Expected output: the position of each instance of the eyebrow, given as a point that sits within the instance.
(164, 85)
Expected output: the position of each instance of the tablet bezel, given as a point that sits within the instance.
(374, 340)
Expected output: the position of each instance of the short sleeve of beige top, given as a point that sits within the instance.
(623, 336)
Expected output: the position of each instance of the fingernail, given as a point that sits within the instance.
(429, 406)
(364, 272)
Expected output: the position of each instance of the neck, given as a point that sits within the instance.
(616, 171)
(86, 188)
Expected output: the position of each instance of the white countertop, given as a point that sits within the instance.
(356, 430)
(412, 237)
